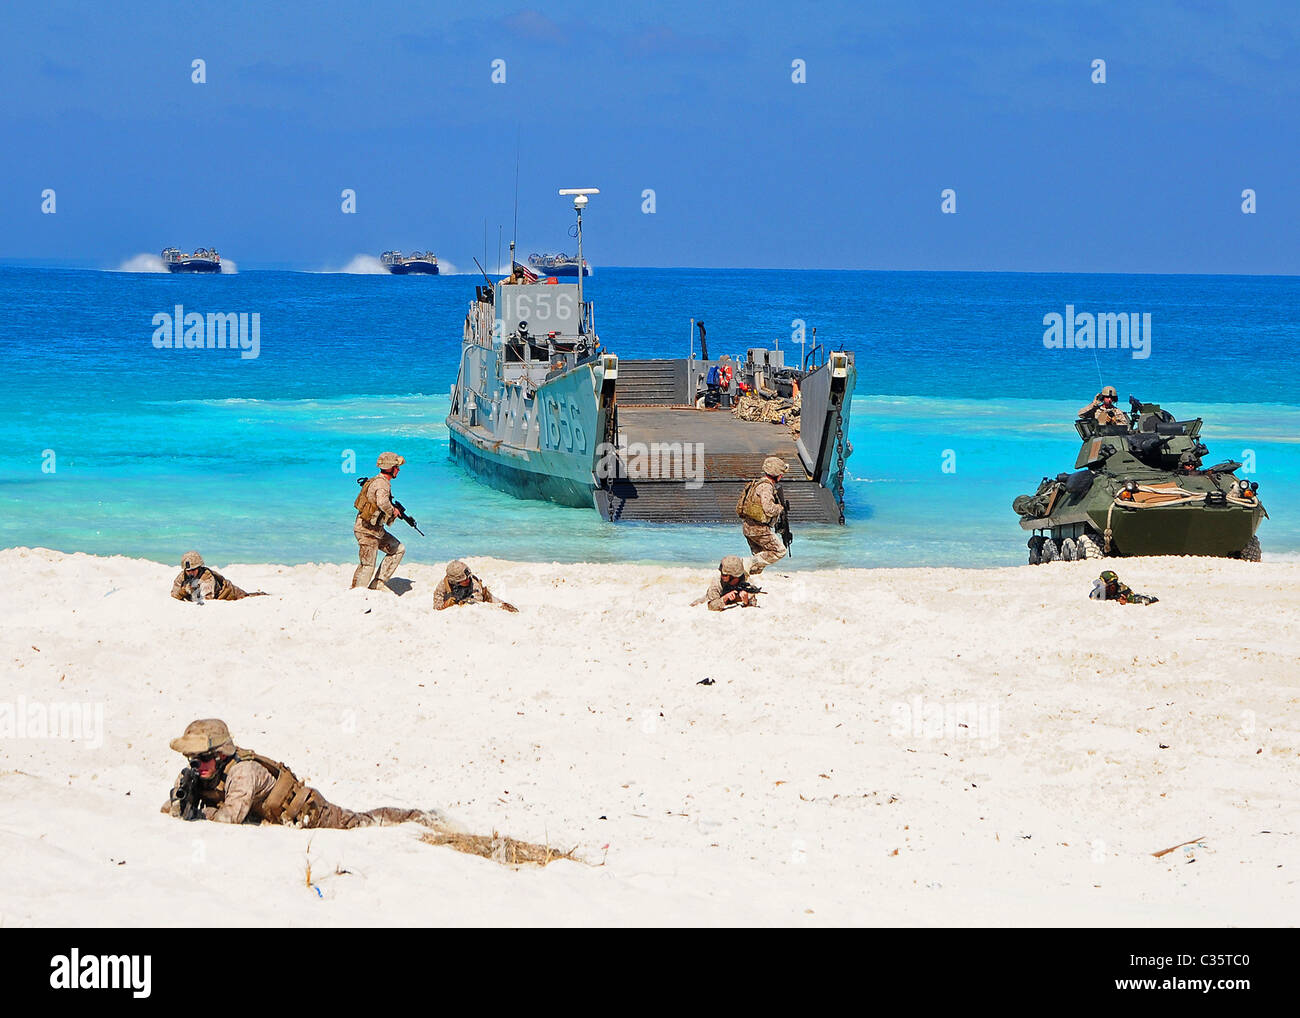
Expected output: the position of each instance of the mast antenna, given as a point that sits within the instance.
(580, 203)
(514, 235)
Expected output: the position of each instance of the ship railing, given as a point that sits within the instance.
(479, 397)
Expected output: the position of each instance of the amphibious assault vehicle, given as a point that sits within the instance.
(1140, 489)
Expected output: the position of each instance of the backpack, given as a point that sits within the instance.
(364, 504)
(748, 507)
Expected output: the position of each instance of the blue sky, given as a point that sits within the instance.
(1052, 172)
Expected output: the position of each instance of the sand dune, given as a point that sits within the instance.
(917, 746)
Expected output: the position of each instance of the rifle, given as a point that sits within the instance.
(462, 593)
(399, 507)
(409, 519)
(742, 588)
(187, 794)
(784, 522)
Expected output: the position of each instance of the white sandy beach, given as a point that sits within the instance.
(799, 789)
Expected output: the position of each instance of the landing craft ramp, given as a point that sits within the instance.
(680, 464)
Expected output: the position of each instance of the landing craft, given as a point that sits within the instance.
(1139, 489)
(205, 259)
(557, 265)
(414, 264)
(541, 410)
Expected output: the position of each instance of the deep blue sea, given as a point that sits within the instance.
(111, 446)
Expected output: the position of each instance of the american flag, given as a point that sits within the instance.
(529, 274)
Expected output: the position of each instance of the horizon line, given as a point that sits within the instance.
(38, 264)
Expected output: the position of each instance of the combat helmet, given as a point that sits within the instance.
(731, 565)
(1109, 390)
(457, 571)
(1109, 576)
(775, 466)
(191, 560)
(206, 736)
(388, 460)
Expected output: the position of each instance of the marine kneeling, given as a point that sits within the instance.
(198, 583)
(732, 588)
(460, 586)
(230, 785)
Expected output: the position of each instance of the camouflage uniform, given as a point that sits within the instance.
(373, 538)
(715, 596)
(246, 785)
(1107, 587)
(442, 594)
(206, 585)
(764, 542)
(240, 793)
(452, 589)
(1103, 414)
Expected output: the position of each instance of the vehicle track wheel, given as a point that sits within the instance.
(1069, 550)
(1252, 552)
(1035, 550)
(1090, 547)
(1049, 552)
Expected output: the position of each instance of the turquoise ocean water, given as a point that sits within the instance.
(156, 451)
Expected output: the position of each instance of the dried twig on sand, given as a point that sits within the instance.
(498, 848)
(1166, 851)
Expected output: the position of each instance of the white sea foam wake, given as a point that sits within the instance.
(142, 263)
(228, 267)
(369, 265)
(360, 265)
